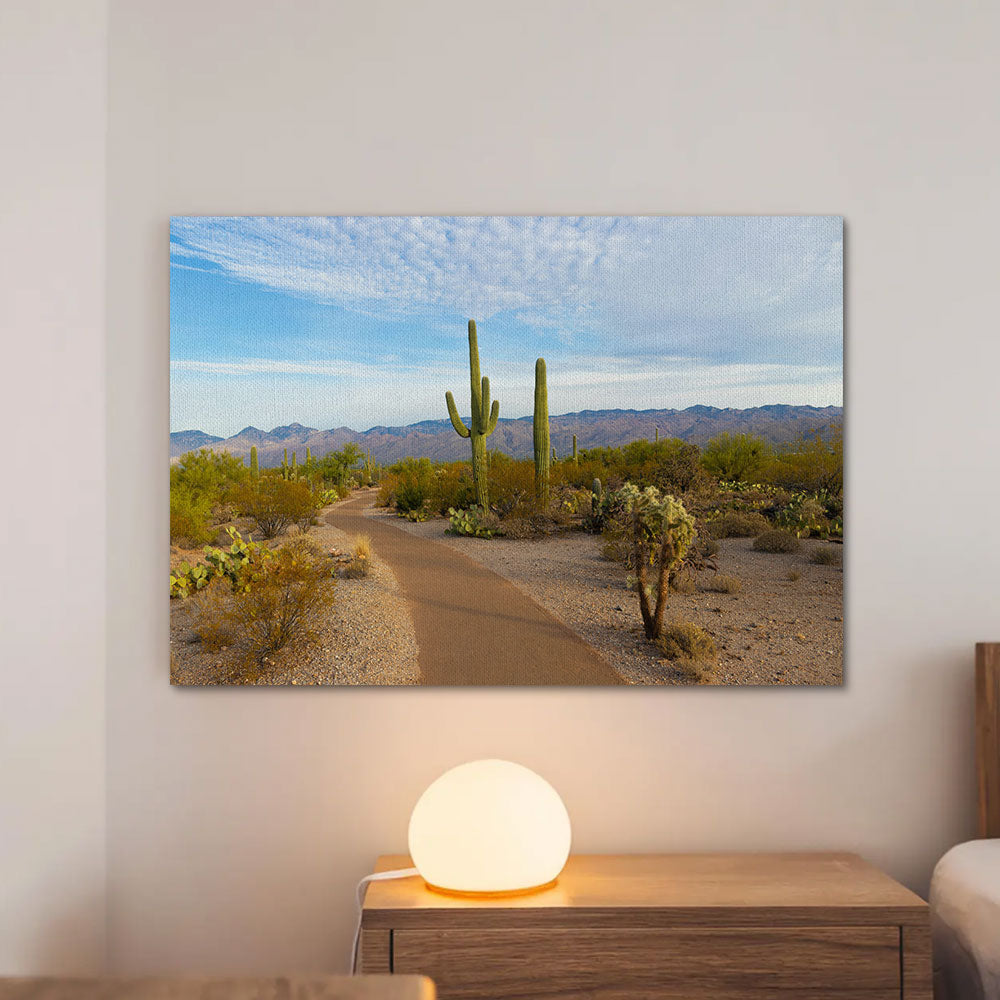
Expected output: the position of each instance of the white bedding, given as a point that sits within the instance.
(965, 917)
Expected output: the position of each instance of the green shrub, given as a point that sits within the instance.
(776, 541)
(273, 504)
(826, 555)
(737, 525)
(685, 643)
(282, 600)
(474, 522)
(723, 583)
(735, 456)
(814, 463)
(190, 517)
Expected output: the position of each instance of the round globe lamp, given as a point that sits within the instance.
(489, 826)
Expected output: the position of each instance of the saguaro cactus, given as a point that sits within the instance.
(656, 439)
(483, 420)
(576, 460)
(254, 464)
(284, 466)
(309, 460)
(295, 467)
(540, 427)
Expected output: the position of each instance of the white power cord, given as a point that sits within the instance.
(360, 895)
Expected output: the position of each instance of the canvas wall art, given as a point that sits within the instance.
(506, 450)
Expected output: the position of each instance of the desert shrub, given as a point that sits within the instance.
(793, 575)
(516, 528)
(683, 582)
(688, 646)
(414, 484)
(512, 486)
(453, 487)
(707, 547)
(273, 504)
(473, 522)
(212, 623)
(813, 463)
(671, 465)
(336, 467)
(386, 496)
(616, 545)
(735, 456)
(190, 517)
(826, 555)
(776, 541)
(737, 525)
(723, 583)
(282, 599)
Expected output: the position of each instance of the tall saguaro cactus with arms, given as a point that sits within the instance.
(483, 420)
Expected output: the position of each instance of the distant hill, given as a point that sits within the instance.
(436, 439)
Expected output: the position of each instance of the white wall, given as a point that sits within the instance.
(239, 820)
(53, 56)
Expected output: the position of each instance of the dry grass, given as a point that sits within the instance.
(780, 542)
(683, 583)
(691, 649)
(738, 526)
(793, 575)
(723, 583)
(212, 623)
(826, 555)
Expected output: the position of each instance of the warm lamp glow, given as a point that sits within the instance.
(489, 826)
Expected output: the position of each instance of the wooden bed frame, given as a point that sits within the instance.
(988, 737)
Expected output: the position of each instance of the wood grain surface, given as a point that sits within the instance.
(702, 963)
(664, 890)
(988, 737)
(164, 988)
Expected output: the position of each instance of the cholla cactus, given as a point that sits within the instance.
(662, 533)
(482, 422)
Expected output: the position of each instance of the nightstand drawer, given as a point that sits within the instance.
(828, 963)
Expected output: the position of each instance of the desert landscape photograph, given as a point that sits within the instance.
(506, 450)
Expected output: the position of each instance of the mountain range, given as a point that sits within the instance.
(437, 440)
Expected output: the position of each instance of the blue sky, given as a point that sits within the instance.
(361, 321)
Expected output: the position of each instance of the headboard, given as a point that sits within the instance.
(988, 737)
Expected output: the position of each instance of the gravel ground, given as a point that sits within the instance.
(775, 631)
(368, 639)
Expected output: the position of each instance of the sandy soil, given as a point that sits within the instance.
(368, 640)
(775, 631)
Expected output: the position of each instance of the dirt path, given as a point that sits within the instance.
(473, 626)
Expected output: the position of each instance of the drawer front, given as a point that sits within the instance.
(828, 963)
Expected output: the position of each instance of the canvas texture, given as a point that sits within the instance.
(506, 450)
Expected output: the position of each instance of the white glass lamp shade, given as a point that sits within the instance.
(489, 826)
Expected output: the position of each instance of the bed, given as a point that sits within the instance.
(965, 888)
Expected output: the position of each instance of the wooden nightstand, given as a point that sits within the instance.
(672, 926)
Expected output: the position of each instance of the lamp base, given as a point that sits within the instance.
(499, 894)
